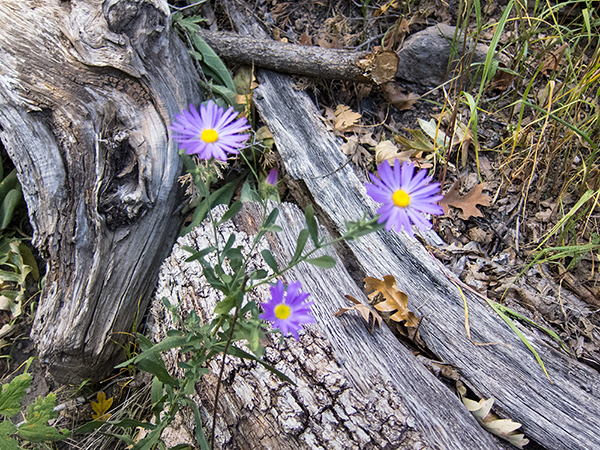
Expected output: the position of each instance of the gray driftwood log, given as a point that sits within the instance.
(353, 390)
(87, 90)
(562, 414)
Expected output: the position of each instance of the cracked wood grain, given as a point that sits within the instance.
(353, 390)
(87, 90)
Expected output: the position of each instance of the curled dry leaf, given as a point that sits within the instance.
(466, 202)
(364, 311)
(481, 410)
(387, 151)
(398, 98)
(394, 299)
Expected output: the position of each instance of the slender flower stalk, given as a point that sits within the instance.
(210, 132)
(288, 312)
(405, 196)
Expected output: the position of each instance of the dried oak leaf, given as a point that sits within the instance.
(345, 118)
(387, 151)
(364, 311)
(503, 428)
(466, 202)
(395, 299)
(398, 98)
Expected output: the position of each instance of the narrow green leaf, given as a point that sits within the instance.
(325, 261)
(235, 351)
(200, 437)
(214, 63)
(197, 255)
(231, 212)
(311, 224)
(268, 257)
(158, 370)
(302, 238)
(11, 201)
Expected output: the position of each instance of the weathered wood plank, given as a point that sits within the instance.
(550, 412)
(87, 90)
(354, 390)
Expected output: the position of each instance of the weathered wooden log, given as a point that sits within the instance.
(87, 89)
(354, 390)
(549, 411)
(337, 64)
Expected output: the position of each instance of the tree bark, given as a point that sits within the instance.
(87, 89)
(354, 390)
(337, 64)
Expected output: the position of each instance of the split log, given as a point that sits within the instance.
(87, 89)
(353, 390)
(550, 411)
(337, 64)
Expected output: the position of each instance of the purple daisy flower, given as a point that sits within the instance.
(405, 196)
(210, 132)
(289, 313)
(272, 177)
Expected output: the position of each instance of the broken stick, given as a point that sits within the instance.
(336, 64)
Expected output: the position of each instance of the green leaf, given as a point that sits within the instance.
(200, 437)
(148, 442)
(217, 69)
(311, 224)
(271, 218)
(302, 238)
(11, 201)
(8, 184)
(29, 260)
(235, 351)
(158, 370)
(12, 394)
(35, 428)
(231, 212)
(324, 261)
(268, 257)
(197, 255)
(221, 196)
(6, 429)
(249, 194)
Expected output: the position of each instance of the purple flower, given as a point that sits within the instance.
(272, 177)
(211, 132)
(289, 313)
(405, 196)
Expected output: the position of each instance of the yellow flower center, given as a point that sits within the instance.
(209, 136)
(282, 311)
(401, 198)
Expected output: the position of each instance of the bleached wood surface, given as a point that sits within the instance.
(563, 414)
(354, 390)
(87, 89)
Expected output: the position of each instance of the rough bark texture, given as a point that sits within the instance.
(328, 63)
(353, 390)
(551, 412)
(87, 89)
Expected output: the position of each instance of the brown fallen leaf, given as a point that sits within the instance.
(395, 299)
(398, 98)
(345, 118)
(554, 59)
(466, 202)
(364, 311)
(387, 151)
(481, 410)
